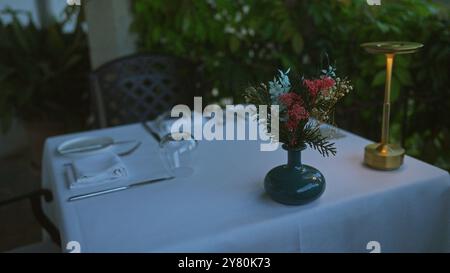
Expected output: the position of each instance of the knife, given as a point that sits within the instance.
(121, 188)
(94, 147)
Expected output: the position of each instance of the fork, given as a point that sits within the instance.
(130, 150)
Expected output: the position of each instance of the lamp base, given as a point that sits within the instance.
(383, 156)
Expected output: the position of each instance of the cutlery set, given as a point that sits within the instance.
(87, 145)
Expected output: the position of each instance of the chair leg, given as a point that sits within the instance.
(42, 219)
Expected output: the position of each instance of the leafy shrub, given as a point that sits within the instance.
(43, 71)
(242, 42)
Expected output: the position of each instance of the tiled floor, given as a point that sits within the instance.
(18, 226)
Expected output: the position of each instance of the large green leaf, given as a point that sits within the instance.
(379, 79)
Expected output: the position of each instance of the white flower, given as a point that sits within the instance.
(230, 29)
(246, 9)
(212, 3)
(218, 16)
(226, 101)
(238, 17)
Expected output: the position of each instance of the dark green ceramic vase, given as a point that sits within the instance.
(294, 183)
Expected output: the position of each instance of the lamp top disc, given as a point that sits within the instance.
(391, 47)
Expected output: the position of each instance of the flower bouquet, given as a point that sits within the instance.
(300, 99)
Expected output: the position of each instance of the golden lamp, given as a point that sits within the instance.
(384, 155)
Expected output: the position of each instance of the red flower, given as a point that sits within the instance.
(316, 86)
(290, 98)
(298, 112)
(295, 109)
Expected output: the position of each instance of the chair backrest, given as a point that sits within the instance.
(140, 87)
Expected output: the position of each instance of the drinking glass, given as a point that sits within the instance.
(177, 153)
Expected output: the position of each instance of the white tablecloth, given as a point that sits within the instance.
(222, 207)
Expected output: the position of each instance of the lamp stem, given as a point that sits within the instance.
(387, 98)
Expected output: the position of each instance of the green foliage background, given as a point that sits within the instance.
(43, 71)
(243, 42)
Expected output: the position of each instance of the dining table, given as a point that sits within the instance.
(222, 205)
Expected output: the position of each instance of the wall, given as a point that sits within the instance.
(108, 24)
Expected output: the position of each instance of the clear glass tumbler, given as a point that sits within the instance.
(177, 152)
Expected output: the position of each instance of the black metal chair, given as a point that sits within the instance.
(35, 198)
(140, 87)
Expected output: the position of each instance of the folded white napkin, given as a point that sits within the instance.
(96, 169)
